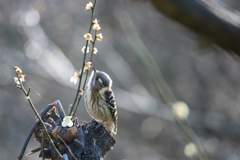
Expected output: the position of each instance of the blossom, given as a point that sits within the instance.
(74, 78)
(89, 6)
(95, 50)
(16, 80)
(95, 21)
(27, 97)
(181, 110)
(88, 36)
(190, 150)
(90, 41)
(18, 70)
(83, 49)
(22, 78)
(99, 37)
(67, 121)
(96, 27)
(81, 92)
(87, 66)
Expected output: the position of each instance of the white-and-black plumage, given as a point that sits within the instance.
(100, 101)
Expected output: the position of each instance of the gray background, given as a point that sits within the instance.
(45, 38)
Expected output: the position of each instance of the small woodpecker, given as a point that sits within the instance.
(100, 100)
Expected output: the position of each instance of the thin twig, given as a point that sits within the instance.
(67, 147)
(38, 116)
(43, 136)
(158, 79)
(33, 128)
(70, 109)
(34, 151)
(79, 99)
(29, 90)
(84, 58)
(93, 45)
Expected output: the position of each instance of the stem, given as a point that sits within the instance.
(39, 118)
(79, 99)
(43, 136)
(36, 149)
(93, 45)
(33, 128)
(158, 79)
(84, 58)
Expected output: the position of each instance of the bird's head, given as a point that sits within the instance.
(100, 80)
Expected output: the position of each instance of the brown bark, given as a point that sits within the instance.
(88, 141)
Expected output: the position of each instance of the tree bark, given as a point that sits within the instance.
(88, 141)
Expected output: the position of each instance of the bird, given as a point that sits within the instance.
(100, 100)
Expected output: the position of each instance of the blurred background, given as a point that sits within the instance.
(45, 38)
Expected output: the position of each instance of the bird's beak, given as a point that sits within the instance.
(94, 76)
(95, 71)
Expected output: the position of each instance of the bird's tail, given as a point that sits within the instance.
(115, 129)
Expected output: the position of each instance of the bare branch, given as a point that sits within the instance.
(203, 22)
(43, 136)
(29, 90)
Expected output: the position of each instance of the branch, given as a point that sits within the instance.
(158, 80)
(84, 58)
(34, 126)
(86, 141)
(203, 22)
(43, 136)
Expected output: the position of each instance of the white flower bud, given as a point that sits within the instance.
(180, 110)
(190, 150)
